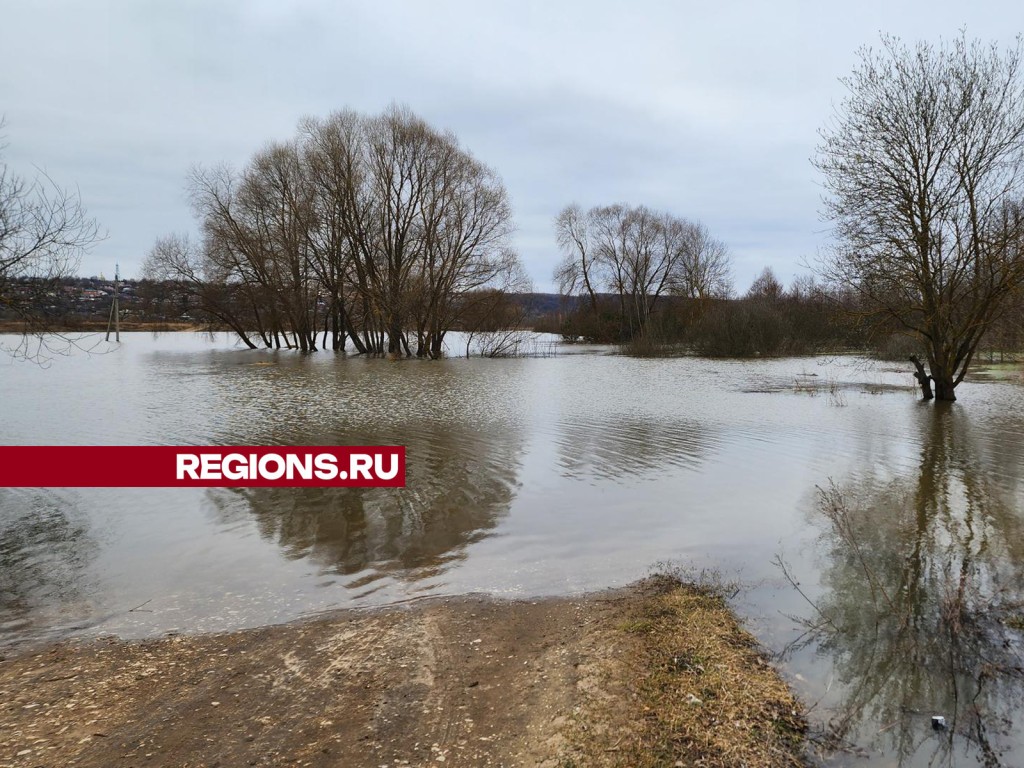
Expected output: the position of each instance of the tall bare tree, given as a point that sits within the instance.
(466, 224)
(331, 152)
(924, 163)
(281, 215)
(573, 274)
(234, 254)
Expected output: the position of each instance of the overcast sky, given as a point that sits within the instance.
(709, 110)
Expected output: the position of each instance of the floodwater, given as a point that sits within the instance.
(880, 540)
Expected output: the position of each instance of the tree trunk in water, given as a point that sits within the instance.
(923, 379)
(395, 339)
(352, 334)
(944, 388)
(361, 348)
(437, 345)
(244, 337)
(337, 326)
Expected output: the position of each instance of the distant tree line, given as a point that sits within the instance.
(380, 231)
(768, 320)
(649, 279)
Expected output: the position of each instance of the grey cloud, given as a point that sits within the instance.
(708, 111)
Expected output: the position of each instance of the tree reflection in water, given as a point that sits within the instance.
(922, 612)
(459, 484)
(624, 448)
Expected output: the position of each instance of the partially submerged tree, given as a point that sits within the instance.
(176, 260)
(924, 162)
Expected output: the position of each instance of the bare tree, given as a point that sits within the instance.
(924, 162)
(465, 221)
(766, 286)
(280, 215)
(334, 168)
(44, 231)
(257, 230)
(573, 272)
(705, 272)
(234, 252)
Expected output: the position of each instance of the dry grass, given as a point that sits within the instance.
(687, 686)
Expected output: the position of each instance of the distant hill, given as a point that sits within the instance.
(538, 304)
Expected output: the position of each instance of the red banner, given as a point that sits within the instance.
(189, 466)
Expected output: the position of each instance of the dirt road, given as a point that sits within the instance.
(460, 682)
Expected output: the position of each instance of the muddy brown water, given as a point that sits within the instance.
(901, 523)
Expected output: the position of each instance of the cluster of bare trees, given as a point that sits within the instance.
(637, 256)
(380, 231)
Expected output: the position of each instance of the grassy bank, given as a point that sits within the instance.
(687, 686)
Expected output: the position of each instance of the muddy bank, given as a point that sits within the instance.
(656, 674)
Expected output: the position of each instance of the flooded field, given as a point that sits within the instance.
(880, 540)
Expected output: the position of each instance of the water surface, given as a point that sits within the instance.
(901, 522)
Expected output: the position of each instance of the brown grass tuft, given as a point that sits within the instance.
(686, 686)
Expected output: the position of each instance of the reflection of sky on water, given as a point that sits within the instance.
(525, 477)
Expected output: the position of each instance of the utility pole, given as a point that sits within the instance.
(115, 312)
